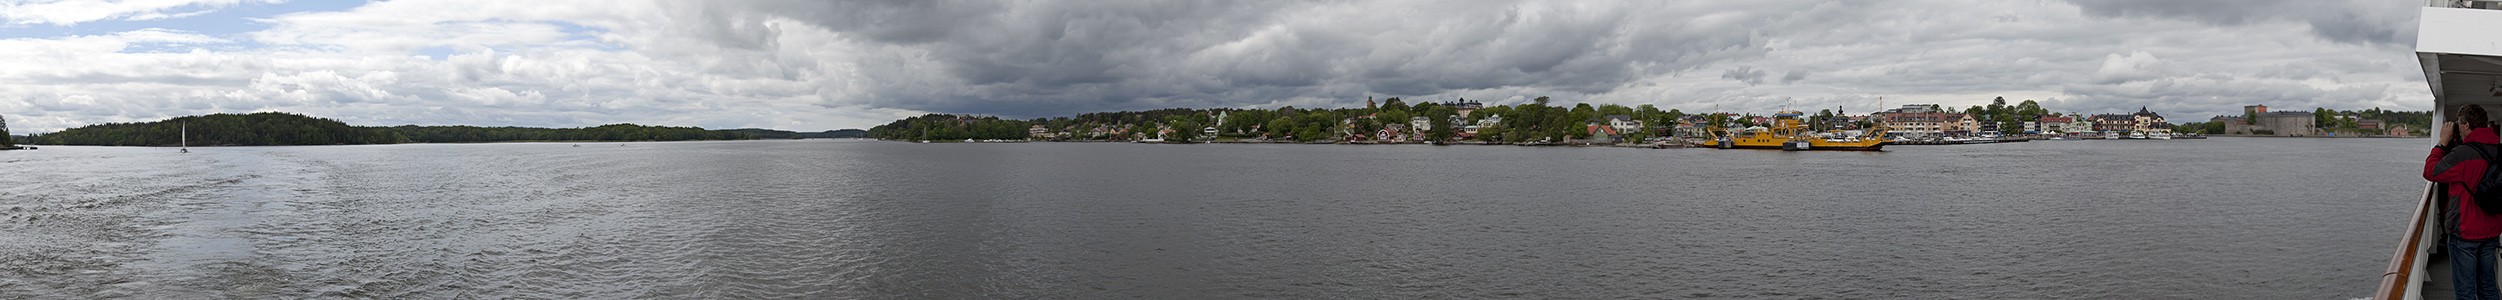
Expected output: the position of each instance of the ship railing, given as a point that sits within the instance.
(2400, 281)
(2474, 4)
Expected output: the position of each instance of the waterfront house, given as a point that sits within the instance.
(1601, 133)
(1929, 123)
(2056, 124)
(2114, 122)
(1963, 125)
(1623, 123)
(1420, 123)
(1685, 126)
(2147, 121)
(1037, 132)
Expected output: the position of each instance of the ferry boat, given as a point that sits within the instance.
(1789, 132)
(2462, 60)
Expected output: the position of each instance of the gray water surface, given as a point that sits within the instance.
(2216, 218)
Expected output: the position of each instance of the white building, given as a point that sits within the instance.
(1623, 123)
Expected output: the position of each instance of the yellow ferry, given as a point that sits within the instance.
(1790, 132)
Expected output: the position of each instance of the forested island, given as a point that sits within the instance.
(784, 134)
(1540, 121)
(278, 128)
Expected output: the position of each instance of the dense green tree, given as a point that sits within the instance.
(1184, 130)
(1490, 133)
(1440, 118)
(940, 127)
(2323, 118)
(1394, 104)
(1824, 119)
(1422, 108)
(1391, 117)
(1612, 109)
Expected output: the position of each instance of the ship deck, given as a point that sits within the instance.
(2437, 279)
(2462, 65)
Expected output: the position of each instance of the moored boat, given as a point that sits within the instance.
(1789, 132)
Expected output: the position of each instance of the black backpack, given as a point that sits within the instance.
(2488, 191)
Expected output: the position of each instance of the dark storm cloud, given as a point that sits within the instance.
(1060, 57)
(1748, 75)
(2345, 21)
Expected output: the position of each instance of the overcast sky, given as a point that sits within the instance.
(817, 65)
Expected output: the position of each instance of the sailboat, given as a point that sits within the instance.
(186, 138)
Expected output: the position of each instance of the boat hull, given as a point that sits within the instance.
(1811, 146)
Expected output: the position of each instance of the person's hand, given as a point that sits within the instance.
(2449, 131)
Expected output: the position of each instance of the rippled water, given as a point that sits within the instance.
(2217, 218)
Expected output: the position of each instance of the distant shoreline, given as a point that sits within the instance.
(444, 143)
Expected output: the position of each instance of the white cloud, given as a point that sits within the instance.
(2133, 67)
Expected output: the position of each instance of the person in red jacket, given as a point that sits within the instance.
(2472, 231)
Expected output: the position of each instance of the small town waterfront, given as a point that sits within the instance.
(2224, 217)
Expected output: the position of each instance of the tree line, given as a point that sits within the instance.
(1538, 120)
(278, 128)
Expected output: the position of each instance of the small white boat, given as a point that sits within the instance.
(2160, 136)
(2137, 135)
